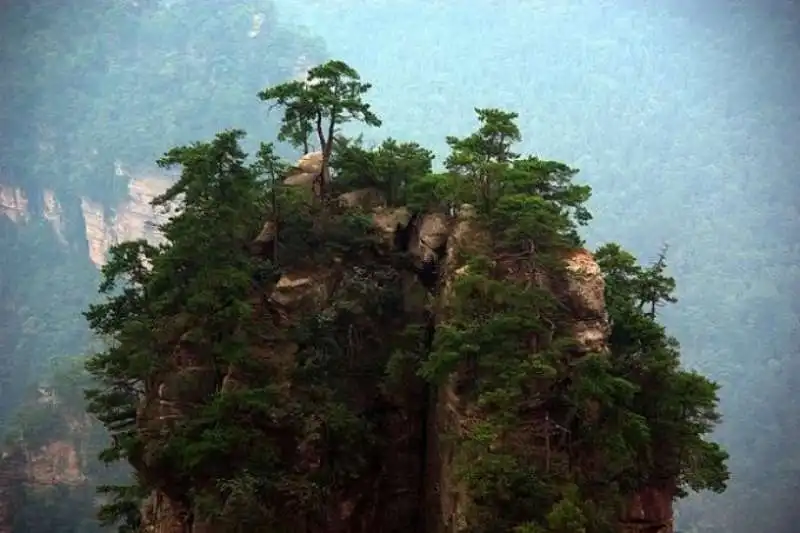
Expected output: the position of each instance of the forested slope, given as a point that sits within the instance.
(682, 117)
(366, 345)
(88, 89)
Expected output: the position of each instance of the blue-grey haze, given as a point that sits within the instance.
(680, 114)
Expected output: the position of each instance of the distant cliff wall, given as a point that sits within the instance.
(104, 225)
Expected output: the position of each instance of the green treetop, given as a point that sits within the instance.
(600, 426)
(331, 95)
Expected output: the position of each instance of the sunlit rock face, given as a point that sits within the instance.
(54, 214)
(56, 463)
(14, 204)
(585, 290)
(133, 218)
(28, 470)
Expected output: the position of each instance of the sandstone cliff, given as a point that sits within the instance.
(413, 487)
(131, 218)
(30, 469)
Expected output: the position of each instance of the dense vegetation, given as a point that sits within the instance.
(82, 100)
(680, 116)
(634, 417)
(39, 317)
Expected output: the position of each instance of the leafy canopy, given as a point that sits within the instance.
(558, 433)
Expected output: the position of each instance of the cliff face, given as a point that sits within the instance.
(61, 464)
(14, 204)
(132, 218)
(28, 472)
(413, 486)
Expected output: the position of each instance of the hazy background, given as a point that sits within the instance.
(682, 115)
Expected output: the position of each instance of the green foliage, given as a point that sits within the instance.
(566, 516)
(553, 438)
(39, 312)
(329, 97)
(194, 288)
(392, 167)
(680, 405)
(611, 424)
(57, 509)
(84, 88)
(196, 291)
(123, 507)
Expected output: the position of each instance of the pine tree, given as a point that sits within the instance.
(331, 96)
(196, 286)
(559, 436)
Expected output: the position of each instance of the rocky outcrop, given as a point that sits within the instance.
(649, 511)
(415, 488)
(14, 204)
(584, 288)
(450, 414)
(56, 463)
(54, 214)
(49, 453)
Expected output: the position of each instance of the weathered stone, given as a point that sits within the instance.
(585, 285)
(464, 239)
(54, 464)
(301, 179)
(14, 204)
(408, 479)
(162, 515)
(304, 290)
(431, 236)
(268, 233)
(133, 218)
(590, 335)
(388, 220)
(306, 174)
(366, 199)
(311, 163)
(450, 412)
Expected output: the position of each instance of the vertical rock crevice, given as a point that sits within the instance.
(414, 485)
